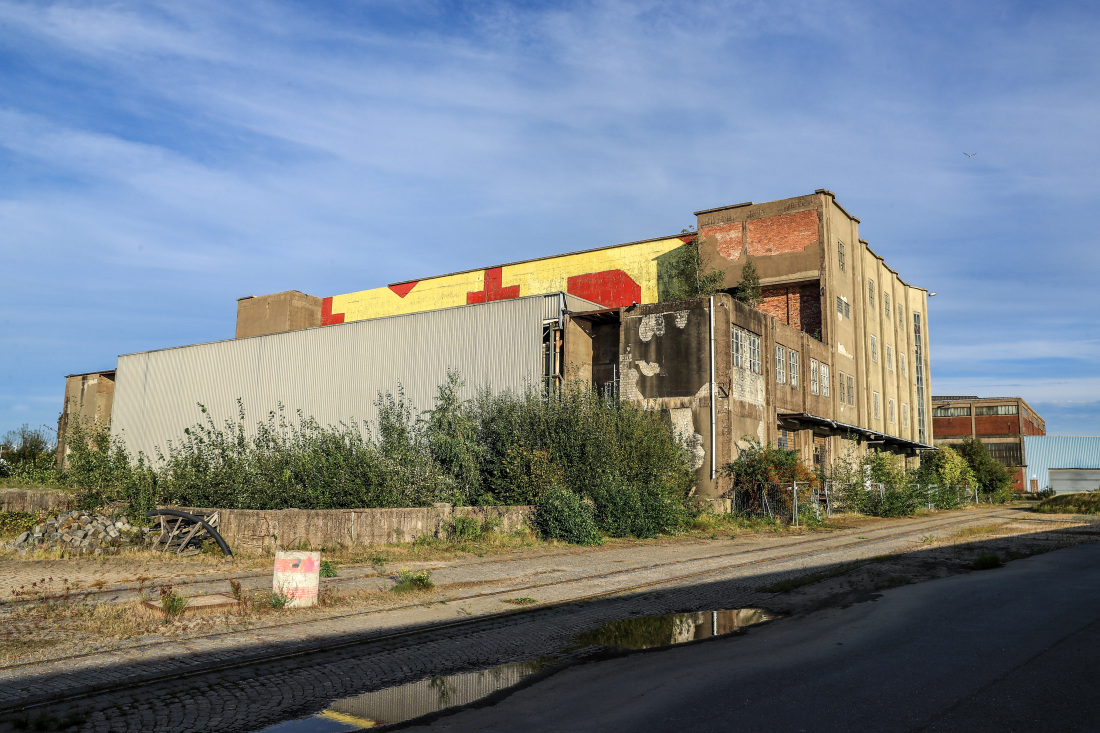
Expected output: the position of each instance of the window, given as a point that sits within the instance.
(918, 373)
(840, 306)
(950, 412)
(847, 310)
(787, 439)
(1007, 454)
(877, 405)
(792, 367)
(874, 348)
(840, 255)
(905, 414)
(995, 410)
(824, 380)
(901, 362)
(889, 357)
(754, 354)
(886, 300)
(780, 364)
(740, 347)
(890, 410)
(851, 390)
(813, 377)
(901, 318)
(871, 292)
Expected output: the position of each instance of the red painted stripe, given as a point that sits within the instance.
(328, 318)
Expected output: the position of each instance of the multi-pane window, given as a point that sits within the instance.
(813, 377)
(780, 364)
(950, 412)
(918, 374)
(847, 310)
(874, 348)
(787, 439)
(1007, 454)
(824, 380)
(876, 403)
(995, 410)
(793, 367)
(840, 255)
(901, 317)
(740, 348)
(905, 414)
(886, 300)
(901, 362)
(871, 292)
(754, 354)
(890, 409)
(851, 390)
(889, 357)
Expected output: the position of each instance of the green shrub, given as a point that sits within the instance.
(411, 580)
(987, 562)
(563, 515)
(625, 509)
(327, 570)
(171, 602)
(278, 599)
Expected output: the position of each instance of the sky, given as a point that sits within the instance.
(160, 160)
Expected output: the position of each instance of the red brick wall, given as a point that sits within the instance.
(782, 234)
(798, 305)
(997, 424)
(727, 238)
(950, 426)
(1018, 480)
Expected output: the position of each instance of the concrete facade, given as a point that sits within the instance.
(287, 311)
(999, 422)
(89, 399)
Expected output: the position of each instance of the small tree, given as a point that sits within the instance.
(992, 478)
(748, 291)
(691, 278)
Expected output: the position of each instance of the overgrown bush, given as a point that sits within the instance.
(563, 515)
(493, 449)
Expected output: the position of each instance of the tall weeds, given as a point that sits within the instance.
(623, 461)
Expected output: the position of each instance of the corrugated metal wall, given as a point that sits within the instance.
(332, 373)
(1044, 452)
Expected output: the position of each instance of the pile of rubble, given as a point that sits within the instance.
(81, 533)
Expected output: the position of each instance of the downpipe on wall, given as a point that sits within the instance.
(713, 410)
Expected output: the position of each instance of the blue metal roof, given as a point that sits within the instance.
(1044, 452)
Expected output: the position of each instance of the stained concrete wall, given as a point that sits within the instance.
(250, 531)
(30, 501)
(276, 313)
(89, 399)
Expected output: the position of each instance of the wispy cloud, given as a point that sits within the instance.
(162, 159)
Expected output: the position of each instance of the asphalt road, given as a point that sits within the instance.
(1011, 649)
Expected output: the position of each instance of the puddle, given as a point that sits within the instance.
(649, 632)
(397, 704)
(404, 702)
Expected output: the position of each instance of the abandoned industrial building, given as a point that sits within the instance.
(1000, 423)
(835, 356)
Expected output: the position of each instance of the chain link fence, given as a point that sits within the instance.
(799, 502)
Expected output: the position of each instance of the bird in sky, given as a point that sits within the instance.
(970, 155)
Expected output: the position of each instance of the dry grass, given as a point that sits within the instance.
(980, 530)
(1082, 503)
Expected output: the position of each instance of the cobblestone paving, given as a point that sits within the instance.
(223, 683)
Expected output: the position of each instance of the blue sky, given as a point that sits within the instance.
(160, 160)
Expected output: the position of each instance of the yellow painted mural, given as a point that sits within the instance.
(613, 277)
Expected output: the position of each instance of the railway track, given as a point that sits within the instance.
(747, 557)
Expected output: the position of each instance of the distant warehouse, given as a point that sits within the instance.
(1065, 463)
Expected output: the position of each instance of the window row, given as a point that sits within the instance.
(951, 412)
(819, 378)
(787, 368)
(846, 389)
(746, 350)
(995, 410)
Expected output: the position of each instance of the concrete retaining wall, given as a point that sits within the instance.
(250, 531)
(34, 500)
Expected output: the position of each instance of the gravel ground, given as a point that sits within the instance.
(460, 627)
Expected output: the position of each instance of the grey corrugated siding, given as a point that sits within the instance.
(332, 373)
(1044, 452)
